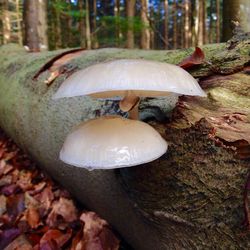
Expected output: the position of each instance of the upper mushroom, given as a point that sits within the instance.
(130, 79)
(143, 78)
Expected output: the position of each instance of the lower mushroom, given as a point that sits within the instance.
(112, 142)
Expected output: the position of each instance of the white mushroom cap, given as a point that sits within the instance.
(143, 77)
(112, 142)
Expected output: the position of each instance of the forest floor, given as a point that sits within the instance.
(36, 213)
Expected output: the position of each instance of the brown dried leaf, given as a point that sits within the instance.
(65, 208)
(61, 238)
(32, 216)
(3, 201)
(197, 58)
(20, 243)
(96, 233)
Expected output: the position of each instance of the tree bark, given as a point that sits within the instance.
(6, 23)
(145, 33)
(88, 36)
(174, 13)
(233, 10)
(117, 13)
(166, 24)
(130, 10)
(42, 24)
(200, 21)
(31, 24)
(217, 21)
(187, 27)
(191, 198)
(82, 28)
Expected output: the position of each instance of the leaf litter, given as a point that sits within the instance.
(37, 214)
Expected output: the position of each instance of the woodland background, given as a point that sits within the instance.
(146, 24)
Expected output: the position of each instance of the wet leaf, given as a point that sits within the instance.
(197, 58)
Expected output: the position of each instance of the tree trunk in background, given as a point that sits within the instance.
(82, 28)
(18, 23)
(187, 27)
(145, 33)
(94, 36)
(88, 36)
(118, 33)
(217, 21)
(152, 24)
(130, 10)
(166, 16)
(204, 21)
(200, 21)
(235, 10)
(31, 25)
(42, 24)
(211, 21)
(6, 23)
(58, 37)
(174, 14)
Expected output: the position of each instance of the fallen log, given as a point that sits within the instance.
(192, 197)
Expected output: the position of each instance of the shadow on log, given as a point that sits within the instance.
(191, 198)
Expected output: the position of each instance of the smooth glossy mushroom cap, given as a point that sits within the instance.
(143, 77)
(112, 142)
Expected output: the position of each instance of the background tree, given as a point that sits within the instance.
(235, 10)
(130, 10)
(145, 33)
(31, 25)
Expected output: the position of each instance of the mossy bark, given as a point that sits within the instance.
(191, 198)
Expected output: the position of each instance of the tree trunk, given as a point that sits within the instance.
(31, 25)
(191, 198)
(6, 23)
(174, 13)
(57, 23)
(233, 10)
(187, 27)
(118, 33)
(217, 21)
(42, 24)
(88, 37)
(82, 28)
(130, 10)
(166, 24)
(200, 20)
(145, 33)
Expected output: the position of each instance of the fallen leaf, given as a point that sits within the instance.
(197, 58)
(32, 216)
(61, 238)
(65, 208)
(3, 201)
(7, 236)
(20, 243)
(15, 205)
(96, 233)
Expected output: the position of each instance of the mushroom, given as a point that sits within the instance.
(130, 79)
(112, 142)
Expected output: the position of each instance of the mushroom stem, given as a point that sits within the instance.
(130, 104)
(134, 112)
